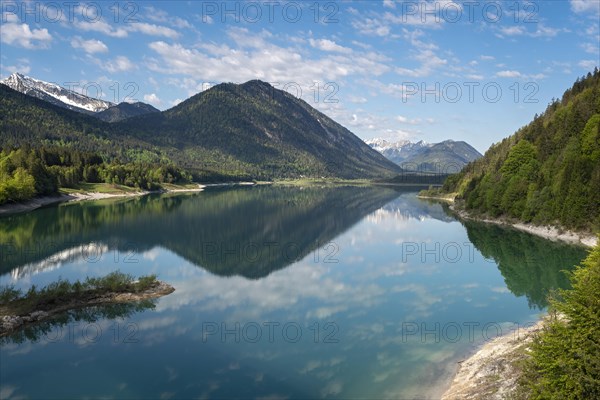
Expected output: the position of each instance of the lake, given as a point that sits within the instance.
(281, 292)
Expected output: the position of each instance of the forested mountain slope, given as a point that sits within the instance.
(263, 131)
(548, 172)
(229, 132)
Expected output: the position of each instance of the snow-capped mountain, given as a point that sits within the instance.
(55, 94)
(449, 155)
(399, 151)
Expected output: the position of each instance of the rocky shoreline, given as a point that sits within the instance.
(492, 373)
(546, 231)
(10, 323)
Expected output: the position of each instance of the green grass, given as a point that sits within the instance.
(437, 193)
(15, 302)
(100, 188)
(173, 186)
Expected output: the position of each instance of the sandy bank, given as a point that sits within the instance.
(38, 202)
(492, 372)
(448, 199)
(32, 204)
(548, 232)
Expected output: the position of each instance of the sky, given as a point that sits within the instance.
(401, 70)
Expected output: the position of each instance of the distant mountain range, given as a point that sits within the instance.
(247, 131)
(74, 101)
(448, 156)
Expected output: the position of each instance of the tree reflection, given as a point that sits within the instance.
(531, 266)
(42, 329)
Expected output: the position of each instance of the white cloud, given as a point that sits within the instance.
(100, 26)
(118, 64)
(585, 6)
(380, 24)
(21, 66)
(153, 99)
(404, 120)
(372, 27)
(89, 46)
(255, 57)
(21, 35)
(157, 15)
(588, 65)
(429, 63)
(512, 30)
(357, 99)
(545, 31)
(475, 77)
(487, 58)
(424, 53)
(328, 45)
(590, 48)
(153, 30)
(509, 74)
(540, 31)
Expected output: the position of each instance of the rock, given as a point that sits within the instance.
(37, 315)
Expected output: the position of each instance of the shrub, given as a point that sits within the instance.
(565, 357)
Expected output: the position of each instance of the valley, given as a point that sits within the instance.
(300, 200)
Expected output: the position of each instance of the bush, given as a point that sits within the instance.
(63, 290)
(565, 357)
(8, 294)
(146, 282)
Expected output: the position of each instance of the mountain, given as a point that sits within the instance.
(55, 94)
(229, 132)
(399, 151)
(446, 156)
(264, 131)
(548, 172)
(125, 110)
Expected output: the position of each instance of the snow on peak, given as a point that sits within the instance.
(55, 94)
(382, 145)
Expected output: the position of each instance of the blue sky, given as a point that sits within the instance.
(418, 70)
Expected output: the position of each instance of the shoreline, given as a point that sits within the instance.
(492, 371)
(549, 232)
(10, 323)
(39, 202)
(446, 199)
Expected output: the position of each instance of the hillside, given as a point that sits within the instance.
(249, 131)
(262, 131)
(548, 172)
(125, 110)
(447, 156)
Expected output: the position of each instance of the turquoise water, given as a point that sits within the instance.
(331, 292)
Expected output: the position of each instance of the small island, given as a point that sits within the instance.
(18, 309)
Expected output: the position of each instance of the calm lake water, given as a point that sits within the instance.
(331, 292)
